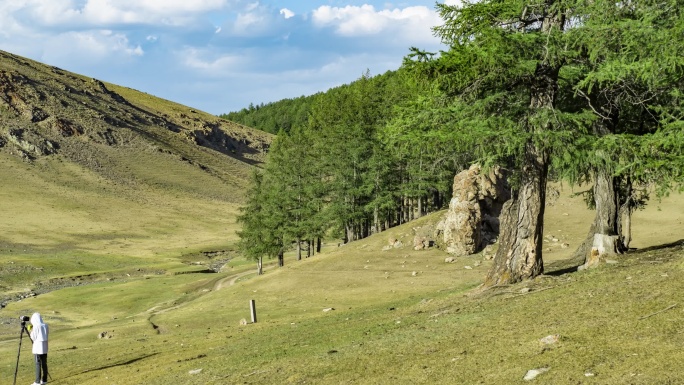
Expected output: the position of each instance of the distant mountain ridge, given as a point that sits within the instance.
(47, 111)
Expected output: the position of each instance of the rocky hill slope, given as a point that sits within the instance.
(46, 111)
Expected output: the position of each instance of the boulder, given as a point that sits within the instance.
(420, 243)
(423, 236)
(472, 220)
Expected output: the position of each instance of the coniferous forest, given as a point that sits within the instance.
(585, 92)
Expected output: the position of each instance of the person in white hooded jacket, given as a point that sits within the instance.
(39, 335)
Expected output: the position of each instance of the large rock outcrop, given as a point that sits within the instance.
(472, 221)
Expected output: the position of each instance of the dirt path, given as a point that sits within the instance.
(218, 285)
(230, 280)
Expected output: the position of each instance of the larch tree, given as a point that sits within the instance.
(631, 56)
(582, 86)
(502, 70)
(260, 235)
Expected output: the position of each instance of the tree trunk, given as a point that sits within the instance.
(348, 233)
(626, 211)
(412, 209)
(420, 207)
(376, 220)
(522, 225)
(281, 258)
(299, 249)
(602, 245)
(260, 266)
(318, 245)
(606, 225)
(627, 229)
(404, 211)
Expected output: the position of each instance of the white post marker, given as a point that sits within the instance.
(252, 308)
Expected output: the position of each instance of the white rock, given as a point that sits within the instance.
(533, 373)
(550, 339)
(196, 371)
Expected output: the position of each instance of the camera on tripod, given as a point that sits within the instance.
(24, 318)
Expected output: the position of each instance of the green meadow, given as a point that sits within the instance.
(121, 273)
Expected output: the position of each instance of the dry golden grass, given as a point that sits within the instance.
(57, 205)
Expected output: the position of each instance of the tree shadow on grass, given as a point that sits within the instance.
(563, 266)
(571, 265)
(661, 247)
(124, 363)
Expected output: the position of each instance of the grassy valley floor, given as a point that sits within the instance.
(356, 314)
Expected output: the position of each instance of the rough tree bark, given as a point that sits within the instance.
(605, 233)
(260, 265)
(522, 225)
(604, 236)
(281, 258)
(626, 210)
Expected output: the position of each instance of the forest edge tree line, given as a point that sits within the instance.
(580, 91)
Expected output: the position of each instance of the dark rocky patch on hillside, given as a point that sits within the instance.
(46, 110)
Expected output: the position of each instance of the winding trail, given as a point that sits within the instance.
(224, 282)
(230, 280)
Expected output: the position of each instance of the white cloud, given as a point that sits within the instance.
(210, 64)
(247, 21)
(101, 12)
(413, 24)
(352, 21)
(287, 13)
(90, 47)
(252, 6)
(111, 12)
(255, 21)
(175, 6)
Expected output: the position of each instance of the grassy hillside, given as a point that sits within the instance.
(357, 314)
(125, 137)
(92, 169)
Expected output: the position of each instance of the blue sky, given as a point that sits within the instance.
(219, 55)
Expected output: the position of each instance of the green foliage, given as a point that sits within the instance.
(631, 82)
(352, 169)
(282, 115)
(619, 73)
(261, 233)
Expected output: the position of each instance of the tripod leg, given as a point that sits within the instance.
(16, 368)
